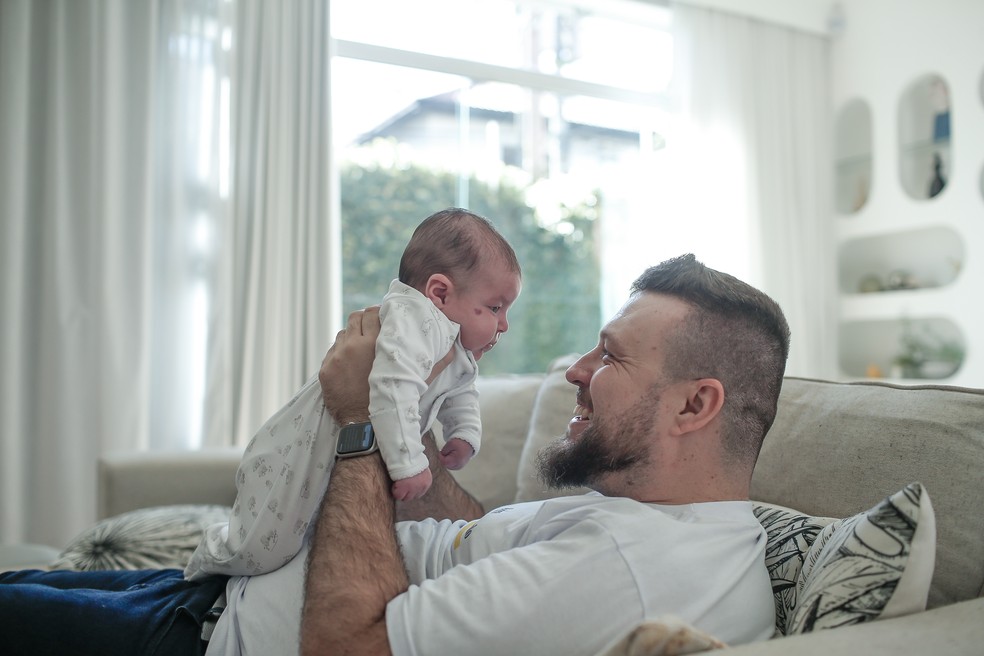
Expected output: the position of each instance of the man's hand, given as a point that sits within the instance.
(344, 374)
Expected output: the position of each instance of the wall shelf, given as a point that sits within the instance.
(914, 259)
(878, 348)
(924, 121)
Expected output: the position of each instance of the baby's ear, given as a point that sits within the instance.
(437, 288)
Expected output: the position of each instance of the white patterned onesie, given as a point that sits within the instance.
(285, 469)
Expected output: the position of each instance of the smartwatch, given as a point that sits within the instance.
(356, 439)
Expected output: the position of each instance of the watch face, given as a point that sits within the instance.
(355, 439)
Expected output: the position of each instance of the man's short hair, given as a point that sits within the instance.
(734, 333)
(454, 242)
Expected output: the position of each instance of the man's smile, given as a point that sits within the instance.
(582, 415)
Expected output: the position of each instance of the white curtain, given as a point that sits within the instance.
(155, 258)
(751, 160)
(278, 294)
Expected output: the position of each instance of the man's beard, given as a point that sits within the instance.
(599, 450)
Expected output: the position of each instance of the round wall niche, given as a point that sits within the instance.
(852, 156)
(924, 137)
(917, 348)
(927, 258)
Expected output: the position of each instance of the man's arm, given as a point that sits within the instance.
(354, 566)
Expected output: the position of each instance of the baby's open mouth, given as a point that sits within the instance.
(491, 345)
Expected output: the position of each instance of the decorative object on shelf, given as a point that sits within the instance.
(925, 354)
(937, 183)
(861, 195)
(901, 279)
(940, 96)
(941, 126)
(870, 284)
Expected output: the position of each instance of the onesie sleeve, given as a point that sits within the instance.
(460, 416)
(412, 339)
(280, 482)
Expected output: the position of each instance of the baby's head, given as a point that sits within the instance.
(459, 261)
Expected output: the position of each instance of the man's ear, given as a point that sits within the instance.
(702, 402)
(437, 288)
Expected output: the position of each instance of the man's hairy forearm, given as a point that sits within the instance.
(354, 567)
(445, 499)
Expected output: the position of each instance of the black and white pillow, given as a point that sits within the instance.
(830, 572)
(150, 538)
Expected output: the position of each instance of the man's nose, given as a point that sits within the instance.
(581, 371)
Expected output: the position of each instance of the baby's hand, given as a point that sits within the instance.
(414, 487)
(456, 453)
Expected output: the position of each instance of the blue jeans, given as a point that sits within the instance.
(109, 612)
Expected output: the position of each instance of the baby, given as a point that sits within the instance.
(458, 278)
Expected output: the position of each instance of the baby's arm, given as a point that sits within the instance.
(461, 419)
(410, 344)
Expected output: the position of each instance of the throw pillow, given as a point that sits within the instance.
(876, 564)
(150, 538)
(790, 536)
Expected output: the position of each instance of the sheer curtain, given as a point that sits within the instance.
(278, 289)
(752, 164)
(156, 258)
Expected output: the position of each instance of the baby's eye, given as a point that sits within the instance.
(495, 308)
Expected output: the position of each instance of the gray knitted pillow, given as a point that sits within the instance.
(150, 538)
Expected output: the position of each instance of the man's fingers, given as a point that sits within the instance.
(355, 322)
(370, 321)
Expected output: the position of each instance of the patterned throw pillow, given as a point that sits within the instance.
(835, 572)
(150, 538)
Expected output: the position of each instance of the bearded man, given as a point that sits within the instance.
(672, 406)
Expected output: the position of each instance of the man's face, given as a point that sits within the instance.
(610, 439)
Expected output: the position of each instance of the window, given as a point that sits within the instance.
(544, 116)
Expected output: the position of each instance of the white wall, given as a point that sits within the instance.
(886, 45)
(807, 15)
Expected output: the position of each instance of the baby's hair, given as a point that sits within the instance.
(453, 242)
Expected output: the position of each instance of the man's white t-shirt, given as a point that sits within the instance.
(566, 576)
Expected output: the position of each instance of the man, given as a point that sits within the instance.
(673, 404)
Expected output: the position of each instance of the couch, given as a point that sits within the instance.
(836, 452)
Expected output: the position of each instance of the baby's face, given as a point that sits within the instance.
(480, 307)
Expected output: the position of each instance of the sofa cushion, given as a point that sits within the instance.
(150, 538)
(506, 402)
(552, 412)
(836, 572)
(836, 447)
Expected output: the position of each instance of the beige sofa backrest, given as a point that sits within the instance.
(835, 450)
(838, 448)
